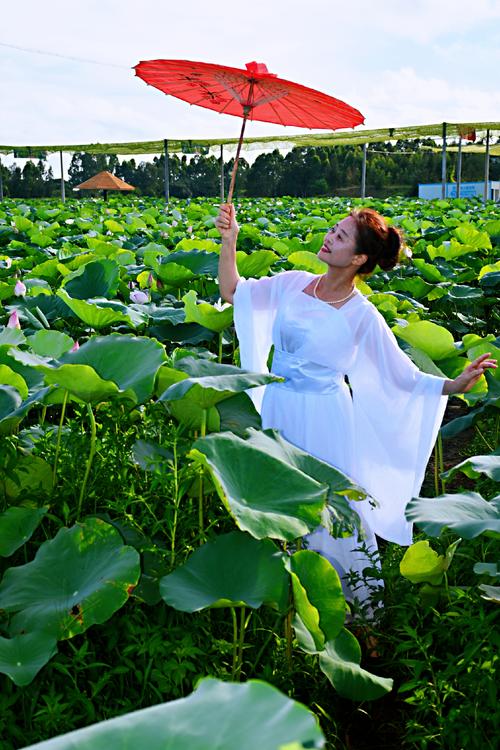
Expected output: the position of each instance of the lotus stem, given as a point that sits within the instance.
(58, 443)
(176, 504)
(235, 643)
(241, 641)
(44, 414)
(203, 431)
(90, 458)
(220, 346)
(288, 628)
(441, 462)
(436, 471)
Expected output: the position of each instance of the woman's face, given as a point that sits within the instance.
(340, 243)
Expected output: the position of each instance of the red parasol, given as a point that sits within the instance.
(253, 94)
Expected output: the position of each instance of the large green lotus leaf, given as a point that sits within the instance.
(489, 268)
(255, 264)
(340, 662)
(221, 715)
(232, 570)
(484, 348)
(98, 278)
(12, 409)
(464, 292)
(238, 414)
(318, 598)
(210, 382)
(78, 579)
(102, 313)
(11, 336)
(199, 262)
(191, 415)
(22, 657)
(173, 315)
(450, 250)
(471, 236)
(31, 474)
(174, 274)
(423, 361)
(266, 496)
(432, 339)
(114, 226)
(490, 593)
(81, 381)
(466, 513)
(129, 361)
(415, 286)
(428, 271)
(9, 377)
(306, 261)
(209, 316)
(343, 519)
(422, 564)
(17, 524)
(474, 466)
(51, 344)
(208, 245)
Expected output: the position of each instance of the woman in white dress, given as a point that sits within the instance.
(380, 427)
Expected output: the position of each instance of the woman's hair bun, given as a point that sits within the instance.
(389, 255)
(376, 239)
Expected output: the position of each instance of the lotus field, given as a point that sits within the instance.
(151, 531)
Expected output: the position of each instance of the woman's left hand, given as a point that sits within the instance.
(469, 377)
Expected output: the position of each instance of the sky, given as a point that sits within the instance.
(399, 63)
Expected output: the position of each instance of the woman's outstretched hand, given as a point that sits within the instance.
(226, 223)
(469, 377)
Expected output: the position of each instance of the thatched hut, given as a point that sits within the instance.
(104, 181)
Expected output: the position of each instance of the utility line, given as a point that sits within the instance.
(64, 57)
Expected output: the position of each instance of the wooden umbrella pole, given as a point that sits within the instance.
(236, 159)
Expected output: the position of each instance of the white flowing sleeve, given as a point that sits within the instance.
(255, 304)
(398, 410)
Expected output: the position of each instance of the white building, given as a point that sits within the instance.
(432, 190)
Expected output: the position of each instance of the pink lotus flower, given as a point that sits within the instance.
(20, 289)
(75, 347)
(13, 321)
(139, 297)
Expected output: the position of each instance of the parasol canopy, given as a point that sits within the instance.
(104, 181)
(253, 94)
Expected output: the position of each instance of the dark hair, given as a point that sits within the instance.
(376, 239)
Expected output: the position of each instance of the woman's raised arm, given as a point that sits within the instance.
(228, 272)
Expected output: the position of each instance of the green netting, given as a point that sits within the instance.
(337, 138)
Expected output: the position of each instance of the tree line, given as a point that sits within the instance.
(304, 171)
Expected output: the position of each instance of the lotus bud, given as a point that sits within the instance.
(75, 347)
(13, 321)
(190, 230)
(131, 284)
(20, 289)
(174, 223)
(8, 262)
(151, 278)
(139, 297)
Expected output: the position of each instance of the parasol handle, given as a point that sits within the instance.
(246, 111)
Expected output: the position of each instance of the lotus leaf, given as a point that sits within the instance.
(98, 278)
(218, 715)
(318, 599)
(51, 344)
(209, 316)
(17, 524)
(306, 261)
(232, 570)
(422, 564)
(9, 377)
(255, 264)
(266, 496)
(466, 513)
(100, 313)
(151, 456)
(209, 382)
(30, 475)
(431, 338)
(474, 466)
(340, 662)
(78, 579)
(22, 657)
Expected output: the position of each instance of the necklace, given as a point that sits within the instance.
(331, 301)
